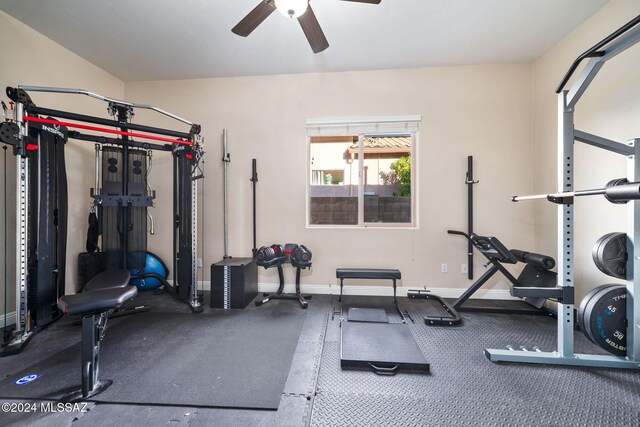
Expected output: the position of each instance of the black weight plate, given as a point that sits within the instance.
(613, 183)
(596, 251)
(605, 318)
(610, 255)
(583, 307)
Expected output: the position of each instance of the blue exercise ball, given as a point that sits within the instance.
(152, 265)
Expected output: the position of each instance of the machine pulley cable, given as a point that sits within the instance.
(100, 129)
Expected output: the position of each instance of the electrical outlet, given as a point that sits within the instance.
(445, 268)
(464, 269)
(199, 263)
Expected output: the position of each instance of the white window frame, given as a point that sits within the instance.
(367, 126)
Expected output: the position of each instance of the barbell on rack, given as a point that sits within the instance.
(618, 190)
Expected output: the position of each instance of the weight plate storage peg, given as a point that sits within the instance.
(603, 317)
(610, 255)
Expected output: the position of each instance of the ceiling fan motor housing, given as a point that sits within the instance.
(292, 8)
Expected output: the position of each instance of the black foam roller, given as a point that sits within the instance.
(537, 260)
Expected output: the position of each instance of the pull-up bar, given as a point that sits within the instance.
(104, 98)
(596, 52)
(99, 129)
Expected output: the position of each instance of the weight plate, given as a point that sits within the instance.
(610, 255)
(596, 253)
(604, 318)
(583, 307)
(614, 183)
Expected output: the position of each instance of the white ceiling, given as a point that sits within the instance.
(184, 39)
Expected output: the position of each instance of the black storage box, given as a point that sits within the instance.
(234, 283)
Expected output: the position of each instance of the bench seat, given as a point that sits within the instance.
(108, 280)
(368, 273)
(392, 274)
(97, 301)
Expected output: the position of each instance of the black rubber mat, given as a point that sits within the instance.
(380, 346)
(235, 359)
(376, 315)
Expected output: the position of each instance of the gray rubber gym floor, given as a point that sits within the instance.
(463, 388)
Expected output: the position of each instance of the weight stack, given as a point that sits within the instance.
(234, 283)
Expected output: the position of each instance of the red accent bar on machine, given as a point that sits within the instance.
(99, 129)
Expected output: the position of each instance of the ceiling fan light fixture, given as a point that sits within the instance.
(292, 8)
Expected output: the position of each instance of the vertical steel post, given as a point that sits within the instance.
(22, 227)
(254, 180)
(565, 223)
(633, 260)
(470, 182)
(226, 158)
(195, 300)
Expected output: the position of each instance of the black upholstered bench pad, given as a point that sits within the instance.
(367, 273)
(109, 279)
(96, 301)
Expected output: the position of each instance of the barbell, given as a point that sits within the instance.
(618, 190)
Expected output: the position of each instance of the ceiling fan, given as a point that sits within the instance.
(300, 9)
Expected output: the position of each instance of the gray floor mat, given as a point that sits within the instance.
(464, 388)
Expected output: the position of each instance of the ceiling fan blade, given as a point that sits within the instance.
(312, 30)
(254, 18)
(366, 1)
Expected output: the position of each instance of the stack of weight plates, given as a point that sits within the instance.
(603, 312)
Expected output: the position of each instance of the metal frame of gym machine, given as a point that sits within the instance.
(186, 152)
(617, 42)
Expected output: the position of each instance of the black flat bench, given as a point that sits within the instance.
(372, 274)
(102, 295)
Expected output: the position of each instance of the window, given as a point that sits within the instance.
(362, 178)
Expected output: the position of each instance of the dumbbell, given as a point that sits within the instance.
(301, 256)
(267, 254)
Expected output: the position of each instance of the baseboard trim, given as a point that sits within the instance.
(10, 319)
(381, 290)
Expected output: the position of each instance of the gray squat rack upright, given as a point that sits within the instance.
(617, 42)
(185, 147)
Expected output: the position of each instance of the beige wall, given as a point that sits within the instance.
(32, 59)
(504, 115)
(609, 108)
(480, 110)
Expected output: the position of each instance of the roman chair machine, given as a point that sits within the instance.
(38, 136)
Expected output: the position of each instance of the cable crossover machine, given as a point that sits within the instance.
(38, 136)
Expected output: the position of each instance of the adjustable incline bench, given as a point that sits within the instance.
(100, 297)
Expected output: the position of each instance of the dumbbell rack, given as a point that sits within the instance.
(279, 293)
(614, 44)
